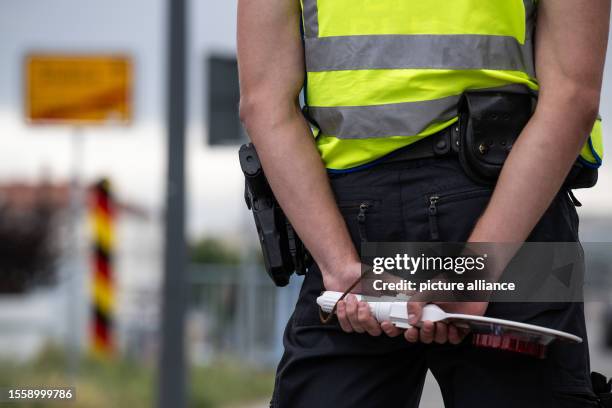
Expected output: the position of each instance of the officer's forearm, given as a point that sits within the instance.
(533, 174)
(296, 173)
(571, 45)
(271, 64)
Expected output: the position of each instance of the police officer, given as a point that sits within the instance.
(382, 81)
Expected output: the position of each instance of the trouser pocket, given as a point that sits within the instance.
(356, 214)
(451, 215)
(367, 220)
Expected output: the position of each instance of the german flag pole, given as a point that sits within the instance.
(102, 283)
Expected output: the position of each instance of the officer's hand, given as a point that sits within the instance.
(353, 316)
(440, 332)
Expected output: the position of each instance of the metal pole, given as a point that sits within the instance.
(74, 271)
(172, 367)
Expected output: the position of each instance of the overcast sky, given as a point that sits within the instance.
(134, 157)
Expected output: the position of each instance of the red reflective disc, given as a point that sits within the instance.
(510, 343)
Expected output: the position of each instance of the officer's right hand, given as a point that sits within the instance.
(353, 316)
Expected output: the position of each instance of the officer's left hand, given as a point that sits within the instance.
(438, 332)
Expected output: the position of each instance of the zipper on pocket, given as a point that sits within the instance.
(434, 201)
(361, 219)
(433, 217)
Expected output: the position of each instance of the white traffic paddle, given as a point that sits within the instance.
(488, 332)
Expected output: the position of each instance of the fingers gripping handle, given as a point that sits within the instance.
(392, 310)
(395, 310)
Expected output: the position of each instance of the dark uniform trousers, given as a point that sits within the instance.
(324, 367)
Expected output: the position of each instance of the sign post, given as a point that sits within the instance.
(77, 90)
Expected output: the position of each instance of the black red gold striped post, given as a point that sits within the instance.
(102, 282)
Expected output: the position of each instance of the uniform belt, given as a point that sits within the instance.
(443, 143)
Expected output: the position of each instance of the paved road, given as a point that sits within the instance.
(601, 357)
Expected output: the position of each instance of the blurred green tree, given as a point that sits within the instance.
(214, 251)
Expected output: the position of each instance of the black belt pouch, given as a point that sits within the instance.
(489, 124)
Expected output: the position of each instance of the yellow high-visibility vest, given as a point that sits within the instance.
(382, 74)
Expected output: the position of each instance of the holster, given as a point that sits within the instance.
(283, 251)
(490, 122)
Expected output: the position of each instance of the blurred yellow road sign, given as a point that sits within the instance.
(78, 89)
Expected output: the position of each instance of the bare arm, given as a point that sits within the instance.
(571, 46)
(271, 65)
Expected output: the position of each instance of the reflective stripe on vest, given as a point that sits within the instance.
(382, 74)
(422, 51)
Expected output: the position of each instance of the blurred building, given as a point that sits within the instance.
(38, 302)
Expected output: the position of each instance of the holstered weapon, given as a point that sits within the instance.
(283, 251)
